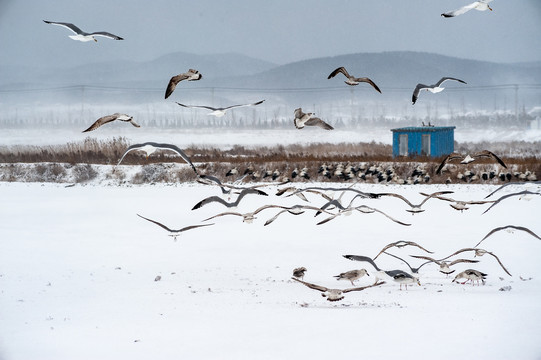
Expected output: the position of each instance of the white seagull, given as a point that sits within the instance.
(352, 80)
(151, 147)
(481, 5)
(509, 228)
(191, 75)
(174, 233)
(466, 159)
(80, 35)
(108, 118)
(435, 88)
(220, 111)
(335, 294)
(308, 119)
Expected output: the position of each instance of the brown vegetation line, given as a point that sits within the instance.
(283, 158)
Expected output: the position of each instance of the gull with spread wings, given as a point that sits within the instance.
(352, 80)
(219, 111)
(80, 35)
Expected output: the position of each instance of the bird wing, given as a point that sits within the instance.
(450, 157)
(364, 287)
(486, 153)
(337, 71)
(460, 11)
(426, 258)
(134, 123)
(507, 227)
(101, 121)
(209, 200)
(223, 214)
(434, 195)
(72, 27)
(176, 149)
(107, 35)
(243, 105)
(416, 91)
(312, 286)
(362, 209)
(158, 223)
(173, 84)
(449, 78)
(198, 106)
(133, 147)
(501, 187)
(396, 196)
(314, 121)
(525, 192)
(462, 261)
(499, 262)
(362, 258)
(367, 80)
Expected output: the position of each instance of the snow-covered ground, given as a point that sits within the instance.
(226, 138)
(78, 269)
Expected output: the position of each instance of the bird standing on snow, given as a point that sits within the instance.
(471, 275)
(80, 35)
(435, 88)
(191, 75)
(299, 272)
(352, 275)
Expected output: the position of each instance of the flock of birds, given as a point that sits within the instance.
(301, 119)
(331, 204)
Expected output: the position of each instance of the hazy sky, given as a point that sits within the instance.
(279, 31)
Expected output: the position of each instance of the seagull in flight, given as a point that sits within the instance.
(220, 111)
(80, 35)
(509, 228)
(352, 80)
(174, 233)
(335, 294)
(191, 75)
(466, 159)
(109, 118)
(233, 204)
(151, 147)
(481, 5)
(308, 119)
(435, 88)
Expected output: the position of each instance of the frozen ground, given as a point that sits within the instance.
(226, 138)
(77, 271)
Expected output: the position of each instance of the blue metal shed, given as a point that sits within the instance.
(434, 141)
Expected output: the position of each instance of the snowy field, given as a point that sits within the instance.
(78, 269)
(227, 138)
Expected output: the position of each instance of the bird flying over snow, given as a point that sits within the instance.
(109, 118)
(220, 111)
(352, 80)
(308, 119)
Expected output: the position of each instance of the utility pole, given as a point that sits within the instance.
(516, 103)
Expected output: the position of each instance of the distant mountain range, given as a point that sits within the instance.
(394, 72)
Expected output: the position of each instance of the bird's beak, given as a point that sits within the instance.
(489, 8)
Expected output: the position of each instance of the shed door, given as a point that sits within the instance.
(403, 144)
(425, 145)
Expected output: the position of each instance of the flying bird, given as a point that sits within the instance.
(435, 88)
(466, 159)
(174, 233)
(512, 183)
(522, 194)
(481, 5)
(308, 119)
(445, 266)
(80, 35)
(352, 80)
(233, 204)
(363, 209)
(415, 208)
(220, 111)
(191, 75)
(461, 204)
(335, 294)
(401, 244)
(479, 252)
(510, 227)
(109, 118)
(151, 147)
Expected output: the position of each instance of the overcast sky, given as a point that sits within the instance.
(278, 31)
